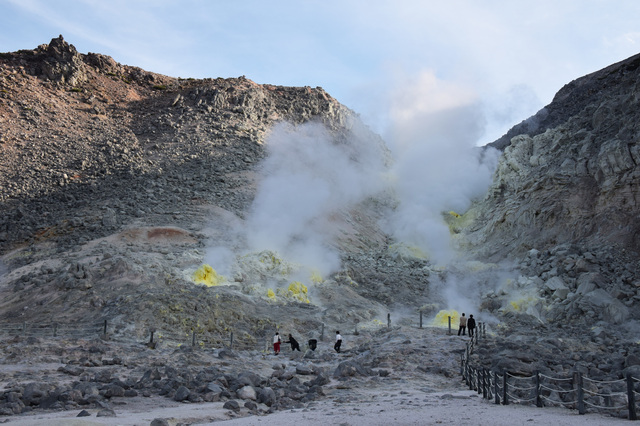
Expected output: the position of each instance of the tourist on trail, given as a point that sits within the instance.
(338, 342)
(294, 343)
(276, 343)
(471, 325)
(463, 325)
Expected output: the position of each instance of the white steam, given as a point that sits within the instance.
(438, 167)
(307, 177)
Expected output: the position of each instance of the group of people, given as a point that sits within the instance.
(467, 323)
(295, 346)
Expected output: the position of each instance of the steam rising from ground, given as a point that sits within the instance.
(438, 167)
(306, 178)
(310, 175)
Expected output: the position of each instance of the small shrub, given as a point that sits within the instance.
(159, 87)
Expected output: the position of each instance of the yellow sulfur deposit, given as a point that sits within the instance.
(316, 277)
(207, 275)
(454, 214)
(521, 305)
(407, 252)
(270, 294)
(297, 291)
(442, 318)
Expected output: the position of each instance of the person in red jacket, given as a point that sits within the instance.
(276, 343)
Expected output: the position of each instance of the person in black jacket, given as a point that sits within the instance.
(471, 325)
(294, 343)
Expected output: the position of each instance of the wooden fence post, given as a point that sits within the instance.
(420, 319)
(479, 381)
(495, 387)
(55, 329)
(505, 397)
(485, 383)
(193, 338)
(580, 392)
(537, 383)
(105, 328)
(151, 337)
(388, 320)
(449, 325)
(631, 398)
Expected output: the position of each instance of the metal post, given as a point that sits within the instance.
(420, 319)
(388, 320)
(105, 328)
(231, 341)
(55, 329)
(449, 325)
(631, 398)
(151, 337)
(495, 387)
(537, 383)
(193, 337)
(505, 398)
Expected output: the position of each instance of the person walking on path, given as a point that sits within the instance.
(471, 325)
(276, 343)
(294, 343)
(463, 325)
(338, 342)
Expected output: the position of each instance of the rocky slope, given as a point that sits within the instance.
(115, 183)
(115, 180)
(563, 209)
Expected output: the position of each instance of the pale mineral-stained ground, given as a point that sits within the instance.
(416, 381)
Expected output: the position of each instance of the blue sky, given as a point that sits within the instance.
(388, 60)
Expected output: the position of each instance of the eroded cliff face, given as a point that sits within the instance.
(574, 178)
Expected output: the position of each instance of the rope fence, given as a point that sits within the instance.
(102, 329)
(152, 337)
(576, 392)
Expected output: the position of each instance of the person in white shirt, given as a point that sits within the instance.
(338, 342)
(276, 343)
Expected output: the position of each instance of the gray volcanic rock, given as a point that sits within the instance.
(574, 180)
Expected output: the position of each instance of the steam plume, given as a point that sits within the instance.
(307, 177)
(438, 167)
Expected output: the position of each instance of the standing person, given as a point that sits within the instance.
(338, 342)
(463, 325)
(294, 343)
(276, 343)
(471, 325)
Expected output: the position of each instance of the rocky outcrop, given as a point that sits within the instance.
(574, 178)
(563, 209)
(577, 97)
